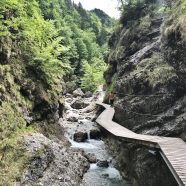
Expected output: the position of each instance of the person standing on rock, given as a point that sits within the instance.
(111, 98)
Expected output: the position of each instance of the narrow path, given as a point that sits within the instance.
(173, 150)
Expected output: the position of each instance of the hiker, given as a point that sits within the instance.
(111, 98)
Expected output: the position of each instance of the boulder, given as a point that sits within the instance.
(89, 108)
(95, 134)
(103, 163)
(67, 106)
(91, 157)
(70, 86)
(78, 92)
(105, 175)
(69, 95)
(80, 136)
(50, 162)
(79, 104)
(88, 94)
(72, 117)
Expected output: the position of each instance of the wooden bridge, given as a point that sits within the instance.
(173, 150)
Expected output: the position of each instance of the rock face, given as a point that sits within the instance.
(149, 83)
(52, 163)
(145, 167)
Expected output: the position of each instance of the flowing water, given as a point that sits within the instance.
(95, 176)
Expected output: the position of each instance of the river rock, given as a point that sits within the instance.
(105, 175)
(89, 108)
(78, 92)
(51, 163)
(88, 94)
(95, 134)
(67, 106)
(80, 136)
(79, 104)
(91, 157)
(69, 95)
(73, 117)
(103, 163)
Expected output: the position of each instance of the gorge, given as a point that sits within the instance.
(53, 56)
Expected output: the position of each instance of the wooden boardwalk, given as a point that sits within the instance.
(173, 150)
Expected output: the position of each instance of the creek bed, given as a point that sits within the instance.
(99, 176)
(96, 175)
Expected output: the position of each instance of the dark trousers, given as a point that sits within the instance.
(111, 102)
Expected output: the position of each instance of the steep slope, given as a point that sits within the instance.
(146, 72)
(42, 44)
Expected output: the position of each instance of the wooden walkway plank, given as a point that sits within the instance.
(173, 150)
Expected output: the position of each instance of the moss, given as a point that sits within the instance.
(10, 120)
(12, 126)
(145, 22)
(176, 21)
(13, 157)
(126, 39)
(155, 70)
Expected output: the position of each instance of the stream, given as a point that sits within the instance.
(84, 134)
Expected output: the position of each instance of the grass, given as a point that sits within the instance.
(177, 20)
(156, 70)
(13, 157)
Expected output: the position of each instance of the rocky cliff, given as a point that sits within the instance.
(147, 73)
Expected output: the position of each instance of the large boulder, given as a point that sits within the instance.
(103, 163)
(73, 117)
(78, 92)
(52, 163)
(88, 94)
(80, 136)
(89, 108)
(91, 157)
(95, 134)
(79, 104)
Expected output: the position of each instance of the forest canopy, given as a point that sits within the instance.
(57, 37)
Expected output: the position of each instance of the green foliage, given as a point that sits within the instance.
(54, 35)
(12, 153)
(176, 22)
(42, 41)
(93, 74)
(134, 9)
(83, 33)
(145, 22)
(38, 39)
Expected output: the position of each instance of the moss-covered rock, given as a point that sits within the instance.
(174, 39)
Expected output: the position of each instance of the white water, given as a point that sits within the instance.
(95, 176)
(82, 145)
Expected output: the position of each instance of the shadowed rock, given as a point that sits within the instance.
(80, 136)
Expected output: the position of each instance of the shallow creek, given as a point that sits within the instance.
(80, 120)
